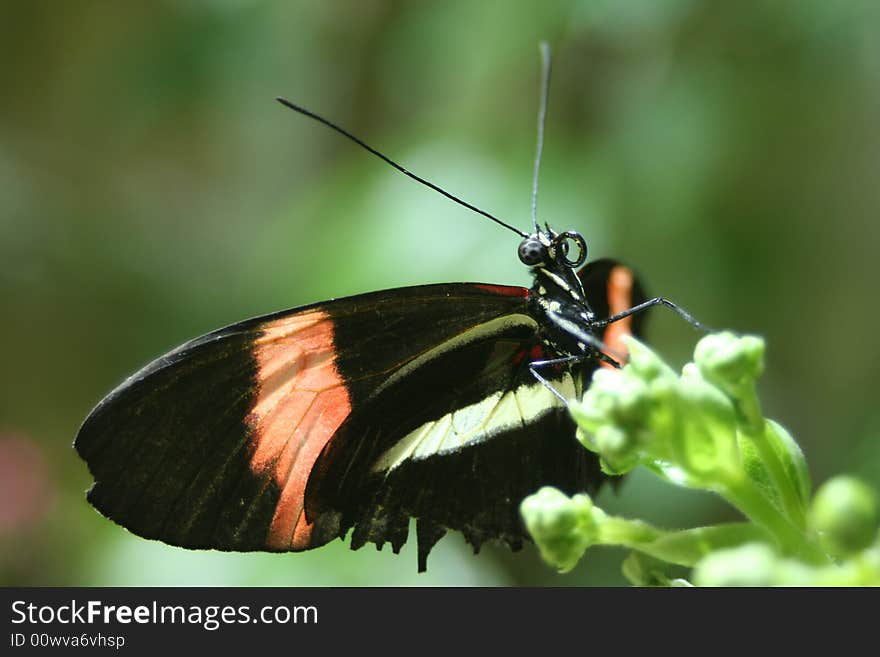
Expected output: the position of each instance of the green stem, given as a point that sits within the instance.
(629, 533)
(750, 408)
(741, 493)
(681, 547)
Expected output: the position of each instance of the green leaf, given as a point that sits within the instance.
(776, 465)
(756, 470)
(793, 462)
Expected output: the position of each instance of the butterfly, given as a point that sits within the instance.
(445, 403)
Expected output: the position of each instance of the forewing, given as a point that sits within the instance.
(211, 445)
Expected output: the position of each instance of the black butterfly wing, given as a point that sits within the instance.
(211, 445)
(285, 431)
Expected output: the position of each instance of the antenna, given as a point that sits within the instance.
(345, 133)
(542, 115)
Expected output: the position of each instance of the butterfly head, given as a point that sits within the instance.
(549, 249)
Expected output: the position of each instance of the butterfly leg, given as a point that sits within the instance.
(534, 365)
(586, 338)
(656, 301)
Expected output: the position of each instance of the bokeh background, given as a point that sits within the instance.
(152, 190)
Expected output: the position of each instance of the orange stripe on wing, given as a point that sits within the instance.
(301, 401)
(619, 291)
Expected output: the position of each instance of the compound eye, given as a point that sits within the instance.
(532, 252)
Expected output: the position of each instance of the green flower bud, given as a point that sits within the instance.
(730, 362)
(588, 416)
(644, 363)
(611, 416)
(618, 449)
(844, 512)
(614, 396)
(699, 393)
(562, 527)
(708, 436)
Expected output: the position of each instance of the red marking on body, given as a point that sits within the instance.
(536, 352)
(505, 290)
(619, 291)
(301, 400)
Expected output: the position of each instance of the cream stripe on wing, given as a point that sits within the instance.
(479, 332)
(476, 423)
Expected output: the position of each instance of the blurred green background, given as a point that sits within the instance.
(152, 190)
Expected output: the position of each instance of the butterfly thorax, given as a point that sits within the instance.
(558, 300)
(557, 295)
